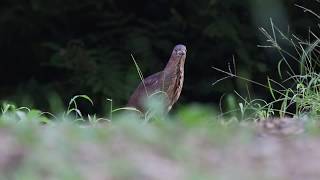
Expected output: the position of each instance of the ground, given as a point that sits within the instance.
(132, 150)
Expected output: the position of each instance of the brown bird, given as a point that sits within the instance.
(169, 81)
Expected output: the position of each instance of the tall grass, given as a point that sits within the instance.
(298, 89)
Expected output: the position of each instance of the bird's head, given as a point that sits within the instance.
(179, 51)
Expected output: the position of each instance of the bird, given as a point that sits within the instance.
(169, 81)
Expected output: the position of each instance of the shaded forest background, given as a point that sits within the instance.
(53, 50)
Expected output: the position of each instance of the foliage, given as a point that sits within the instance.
(84, 47)
(298, 93)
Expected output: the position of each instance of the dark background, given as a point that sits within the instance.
(53, 50)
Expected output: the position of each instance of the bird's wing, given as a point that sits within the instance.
(150, 85)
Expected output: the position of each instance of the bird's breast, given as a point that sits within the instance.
(179, 85)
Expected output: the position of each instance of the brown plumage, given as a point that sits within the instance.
(170, 81)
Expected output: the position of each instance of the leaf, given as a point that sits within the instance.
(271, 89)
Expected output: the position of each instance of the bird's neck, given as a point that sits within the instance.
(175, 64)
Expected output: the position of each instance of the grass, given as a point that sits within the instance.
(191, 144)
(298, 91)
(39, 145)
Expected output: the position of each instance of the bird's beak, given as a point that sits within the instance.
(181, 53)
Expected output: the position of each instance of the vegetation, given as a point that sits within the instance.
(297, 93)
(55, 50)
(190, 144)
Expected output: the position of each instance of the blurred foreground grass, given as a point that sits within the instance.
(190, 144)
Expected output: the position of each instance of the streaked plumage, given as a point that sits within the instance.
(170, 81)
